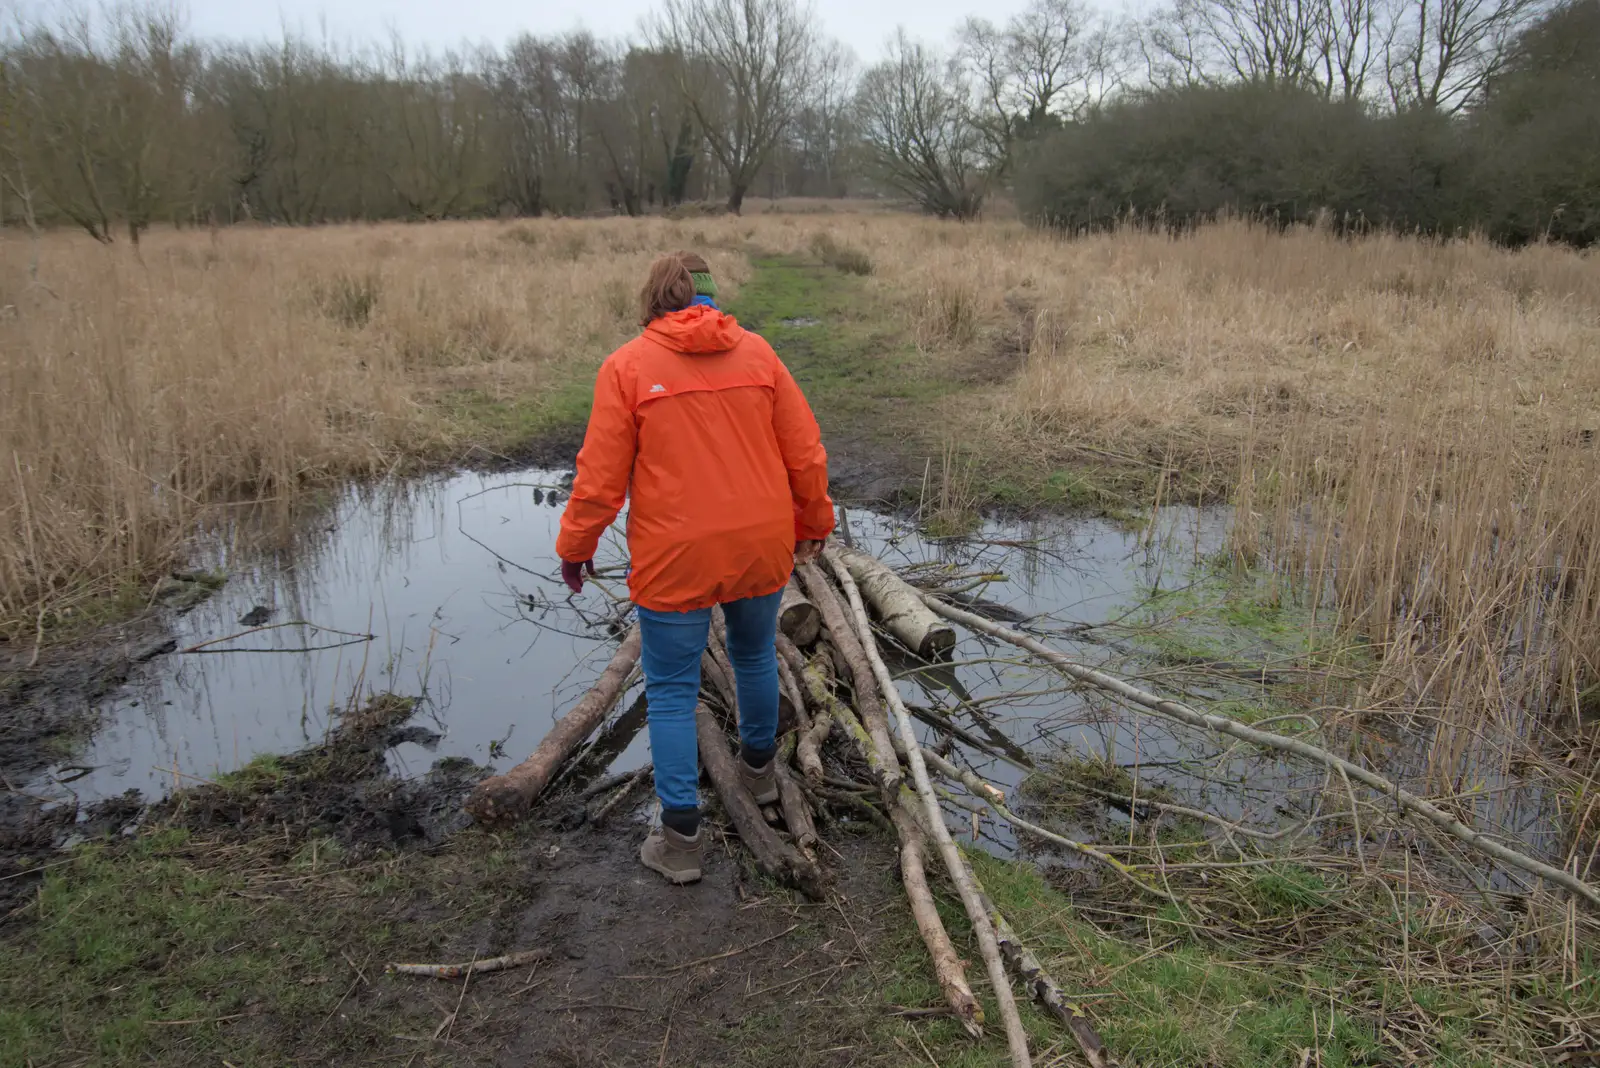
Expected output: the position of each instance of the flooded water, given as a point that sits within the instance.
(456, 580)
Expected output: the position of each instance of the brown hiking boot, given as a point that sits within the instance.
(672, 856)
(761, 782)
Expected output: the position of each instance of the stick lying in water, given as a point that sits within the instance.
(1408, 802)
(477, 967)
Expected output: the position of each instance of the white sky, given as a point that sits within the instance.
(440, 24)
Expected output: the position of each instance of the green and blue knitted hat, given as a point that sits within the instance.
(704, 284)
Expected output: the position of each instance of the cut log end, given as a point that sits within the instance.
(496, 802)
(798, 617)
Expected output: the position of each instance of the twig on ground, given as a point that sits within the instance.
(627, 791)
(476, 967)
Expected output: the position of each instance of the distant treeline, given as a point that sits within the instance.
(1521, 163)
(1441, 116)
(120, 121)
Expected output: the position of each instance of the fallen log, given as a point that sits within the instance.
(627, 790)
(808, 752)
(505, 798)
(1408, 802)
(868, 699)
(987, 791)
(899, 607)
(946, 964)
(933, 819)
(798, 618)
(772, 854)
(789, 689)
(790, 656)
(1032, 975)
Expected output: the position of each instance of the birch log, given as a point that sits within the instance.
(506, 798)
(899, 607)
(1044, 988)
(946, 964)
(869, 702)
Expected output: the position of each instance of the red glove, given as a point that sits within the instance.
(572, 573)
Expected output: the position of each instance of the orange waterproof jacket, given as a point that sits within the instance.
(701, 427)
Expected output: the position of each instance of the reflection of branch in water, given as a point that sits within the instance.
(522, 601)
(612, 740)
(1001, 747)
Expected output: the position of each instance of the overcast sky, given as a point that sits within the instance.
(441, 24)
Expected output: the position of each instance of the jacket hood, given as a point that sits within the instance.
(697, 329)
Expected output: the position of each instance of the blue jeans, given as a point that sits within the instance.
(672, 644)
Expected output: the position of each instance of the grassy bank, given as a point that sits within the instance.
(187, 948)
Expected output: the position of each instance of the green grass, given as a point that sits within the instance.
(506, 425)
(177, 950)
(1242, 618)
(874, 391)
(864, 378)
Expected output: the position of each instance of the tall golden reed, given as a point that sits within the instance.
(142, 394)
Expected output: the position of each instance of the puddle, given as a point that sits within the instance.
(456, 579)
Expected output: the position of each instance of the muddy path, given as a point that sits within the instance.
(331, 868)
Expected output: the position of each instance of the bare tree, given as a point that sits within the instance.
(110, 119)
(743, 67)
(545, 94)
(1050, 62)
(431, 141)
(1274, 41)
(1349, 42)
(822, 128)
(916, 120)
(639, 127)
(1442, 53)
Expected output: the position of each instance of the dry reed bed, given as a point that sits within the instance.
(139, 391)
(1409, 428)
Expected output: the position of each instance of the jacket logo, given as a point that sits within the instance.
(658, 388)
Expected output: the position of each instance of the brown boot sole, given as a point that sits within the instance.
(676, 878)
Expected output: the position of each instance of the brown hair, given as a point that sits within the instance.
(669, 287)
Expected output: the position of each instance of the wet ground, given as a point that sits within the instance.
(455, 580)
(447, 588)
(445, 591)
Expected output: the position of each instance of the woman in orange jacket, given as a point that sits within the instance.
(700, 427)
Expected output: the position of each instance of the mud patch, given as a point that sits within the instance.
(727, 971)
(342, 789)
(47, 709)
